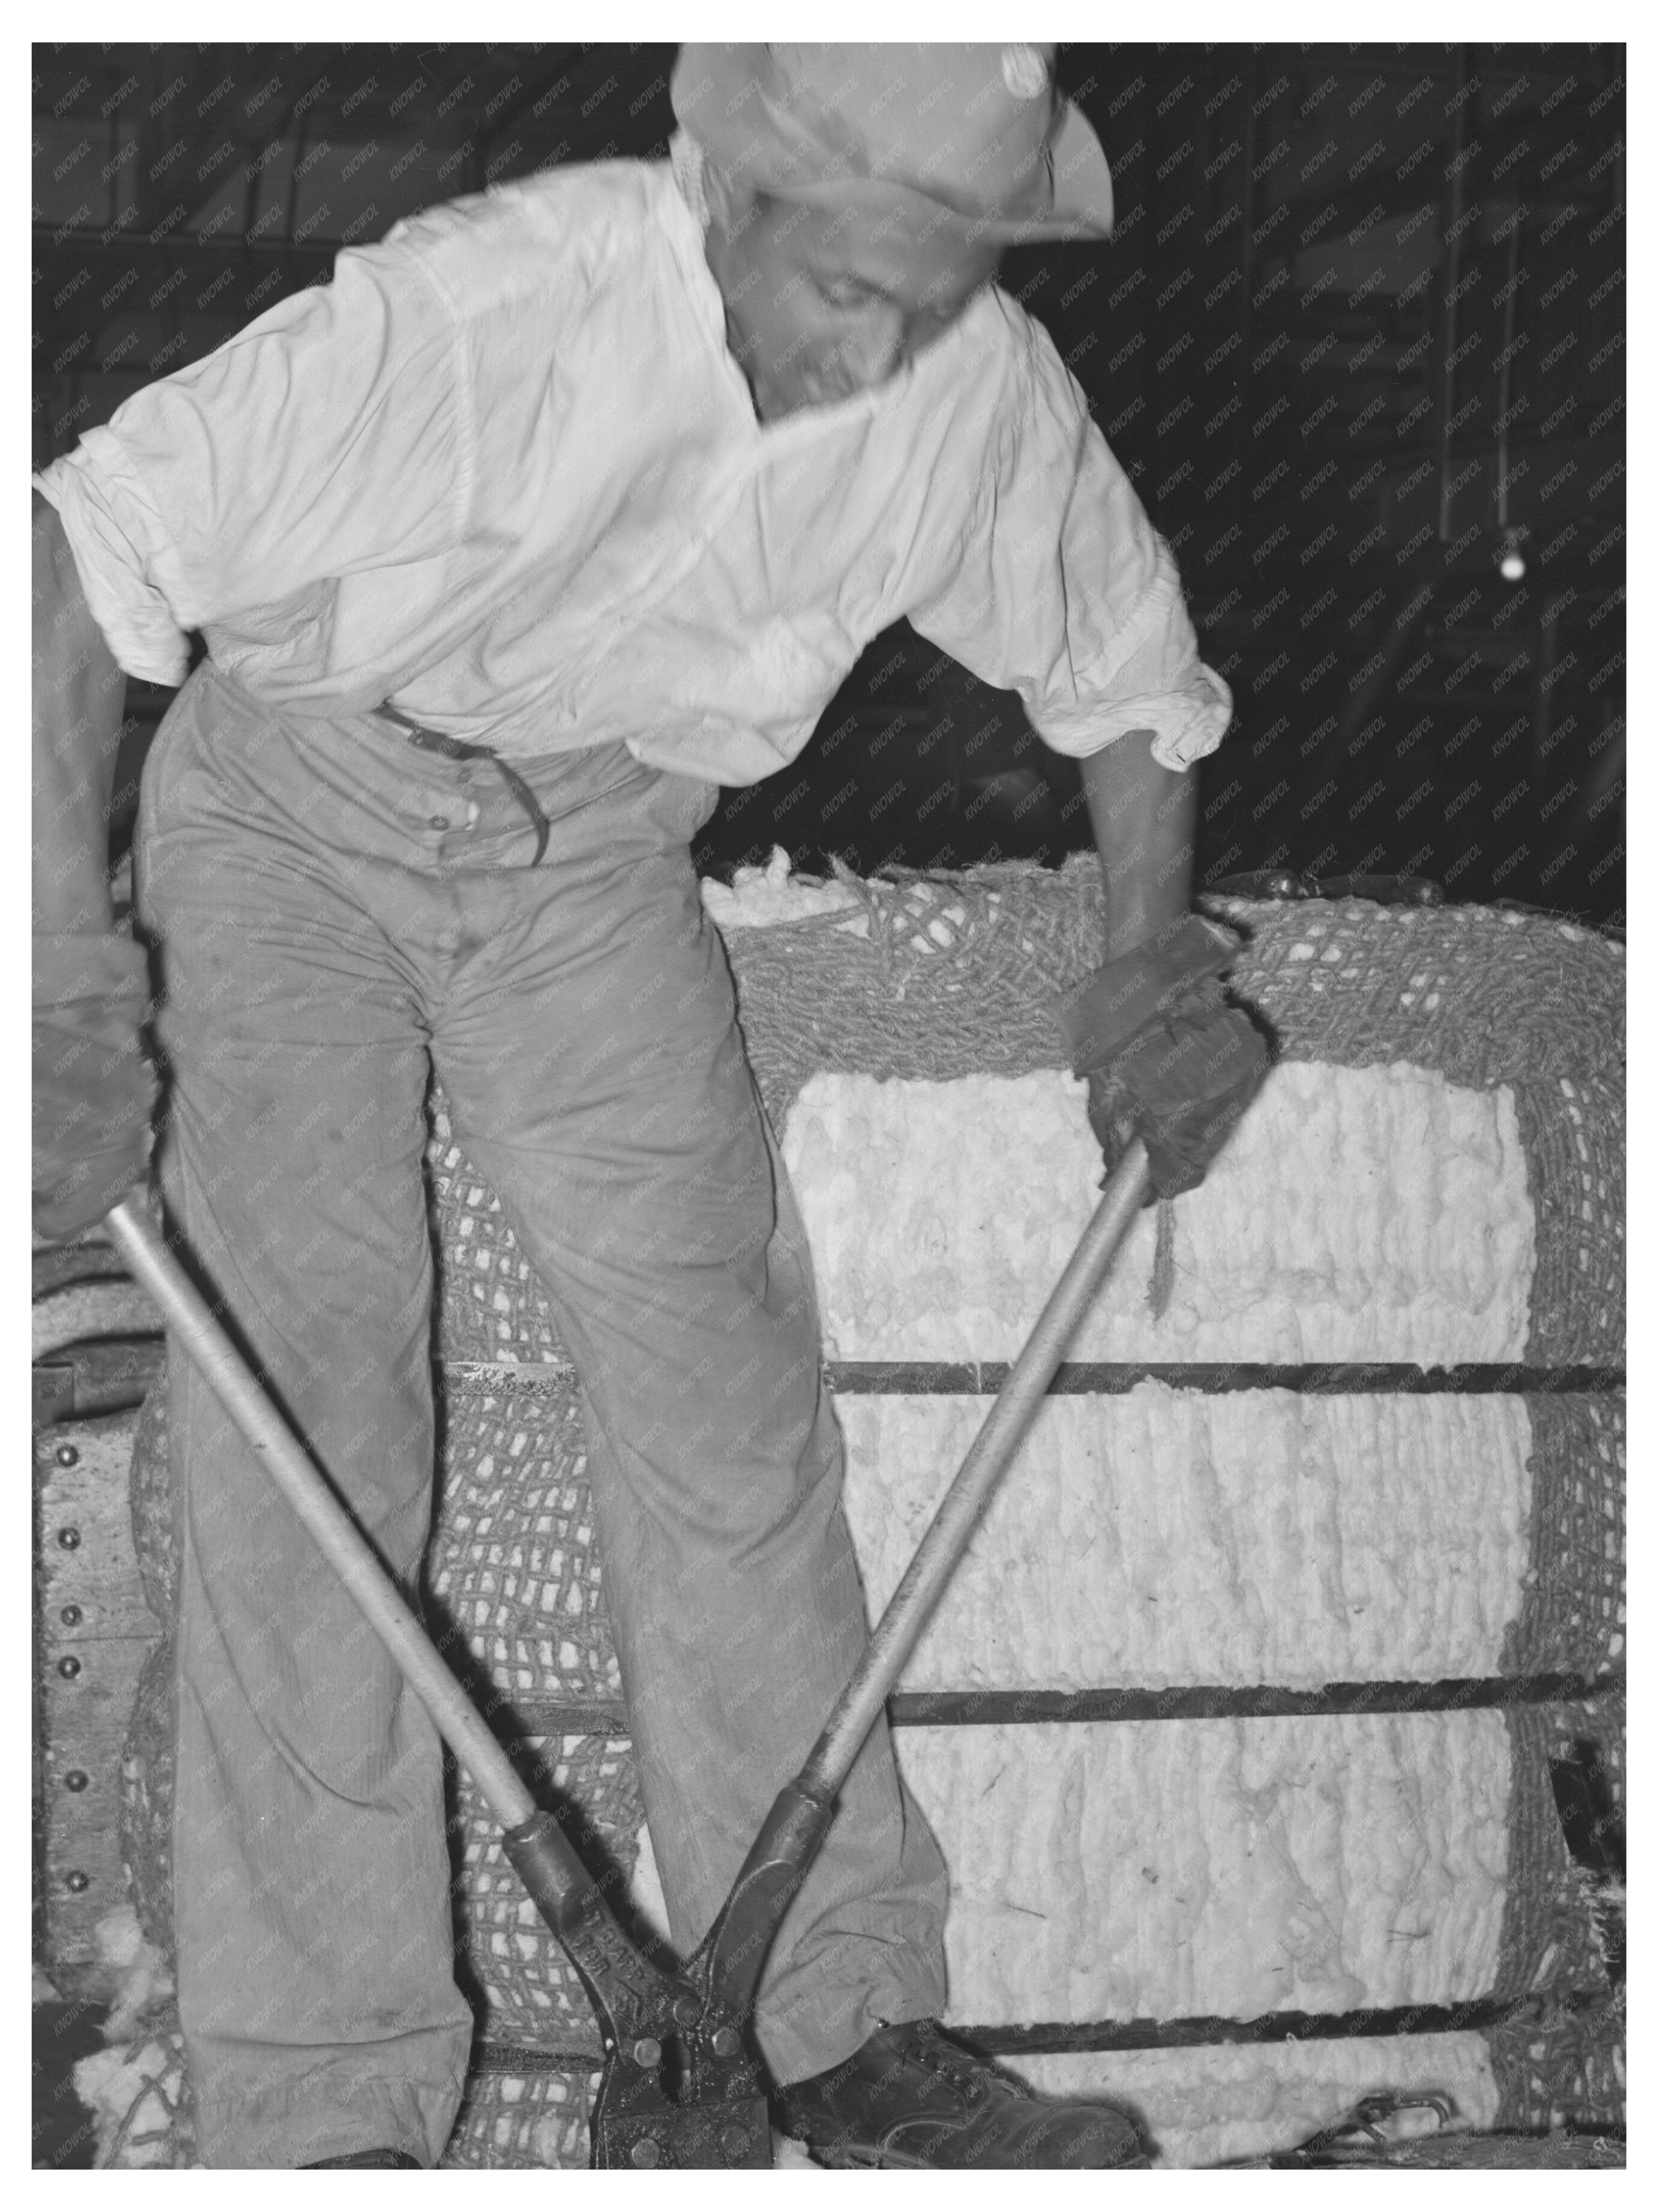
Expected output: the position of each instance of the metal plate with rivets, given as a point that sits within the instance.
(94, 1632)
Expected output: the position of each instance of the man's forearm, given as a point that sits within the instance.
(1145, 818)
(79, 696)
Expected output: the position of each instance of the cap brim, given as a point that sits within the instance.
(1083, 206)
(1083, 203)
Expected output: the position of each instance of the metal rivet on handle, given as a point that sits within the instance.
(648, 2052)
(646, 2152)
(67, 1455)
(77, 1882)
(734, 2142)
(71, 1616)
(74, 1779)
(687, 2011)
(726, 2043)
(69, 1537)
(69, 1667)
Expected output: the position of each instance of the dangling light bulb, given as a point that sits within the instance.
(1511, 561)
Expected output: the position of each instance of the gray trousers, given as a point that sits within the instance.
(334, 911)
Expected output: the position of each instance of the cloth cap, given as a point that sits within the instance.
(973, 139)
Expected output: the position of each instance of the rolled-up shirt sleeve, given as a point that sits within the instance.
(1066, 593)
(327, 436)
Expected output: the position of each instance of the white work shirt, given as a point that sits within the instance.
(503, 472)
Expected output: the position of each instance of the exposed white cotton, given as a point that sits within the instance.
(1357, 1214)
(1167, 1536)
(1177, 1868)
(1244, 2100)
(139, 1972)
(1160, 1869)
(759, 897)
(132, 2087)
(132, 2092)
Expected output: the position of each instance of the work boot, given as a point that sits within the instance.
(363, 2158)
(912, 2097)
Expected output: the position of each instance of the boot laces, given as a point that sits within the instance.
(949, 2061)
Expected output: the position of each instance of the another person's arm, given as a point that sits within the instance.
(77, 701)
(92, 1092)
(325, 437)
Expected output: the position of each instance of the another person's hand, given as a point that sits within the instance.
(94, 1092)
(1166, 1058)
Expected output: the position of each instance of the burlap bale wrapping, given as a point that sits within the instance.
(954, 977)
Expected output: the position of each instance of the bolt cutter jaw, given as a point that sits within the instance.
(681, 2087)
(715, 2117)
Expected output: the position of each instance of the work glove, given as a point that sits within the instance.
(1166, 1058)
(94, 1092)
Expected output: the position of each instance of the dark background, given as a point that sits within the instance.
(1360, 329)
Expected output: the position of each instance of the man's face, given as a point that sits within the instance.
(821, 303)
